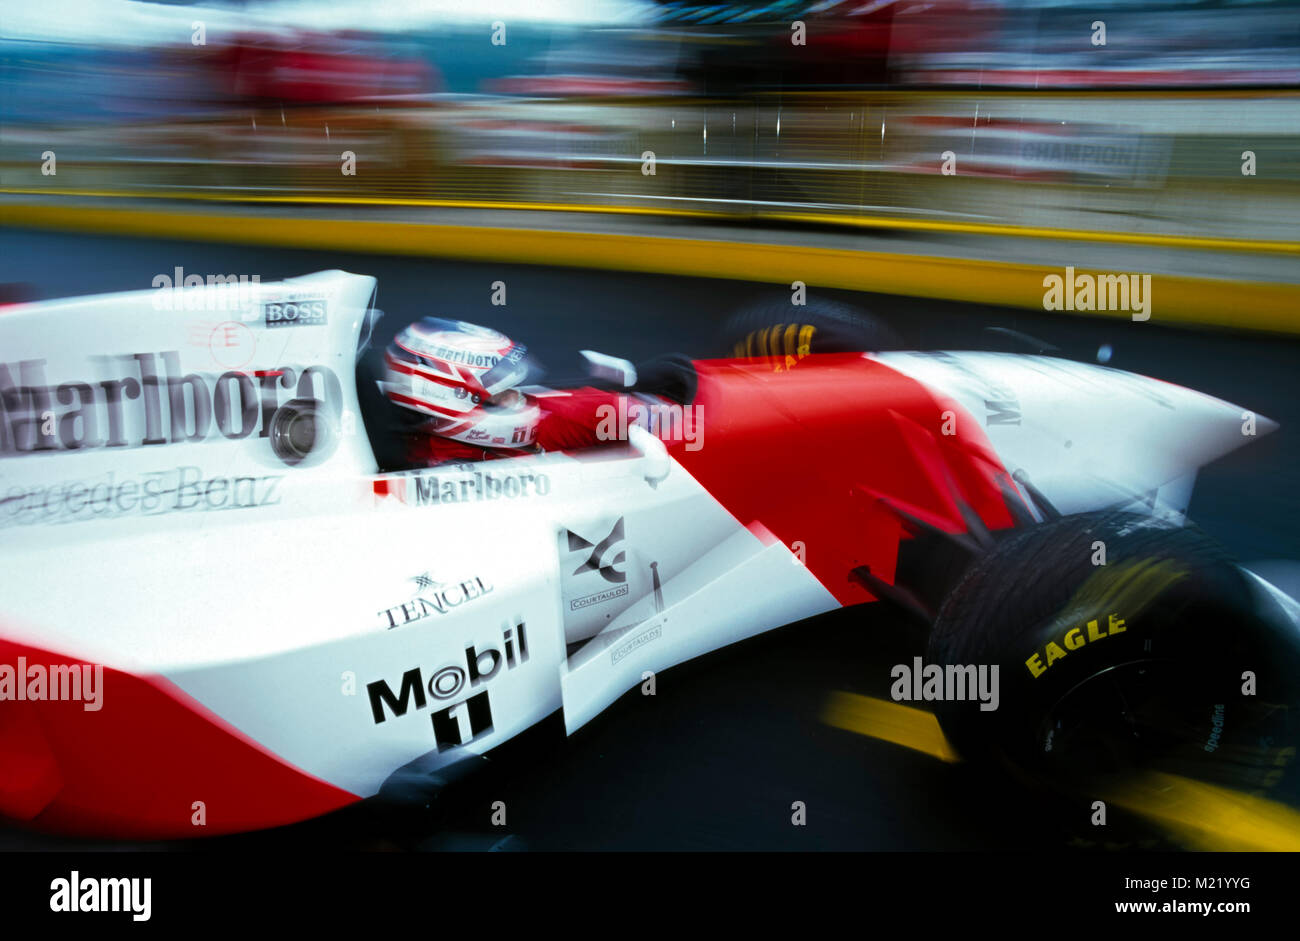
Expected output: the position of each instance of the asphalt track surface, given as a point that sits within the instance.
(716, 758)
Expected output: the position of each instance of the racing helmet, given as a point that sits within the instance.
(464, 378)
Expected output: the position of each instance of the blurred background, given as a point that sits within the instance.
(1110, 115)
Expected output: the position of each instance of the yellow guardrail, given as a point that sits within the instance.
(1175, 299)
(1266, 246)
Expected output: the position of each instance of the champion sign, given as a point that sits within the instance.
(153, 402)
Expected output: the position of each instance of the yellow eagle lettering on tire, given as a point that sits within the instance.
(1076, 638)
(1130, 586)
(805, 340)
(783, 345)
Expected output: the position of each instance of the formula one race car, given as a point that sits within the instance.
(221, 611)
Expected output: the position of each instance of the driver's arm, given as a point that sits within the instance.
(573, 419)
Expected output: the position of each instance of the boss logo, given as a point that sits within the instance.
(294, 314)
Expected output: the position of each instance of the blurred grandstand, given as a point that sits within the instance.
(952, 112)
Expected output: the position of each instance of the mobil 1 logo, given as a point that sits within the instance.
(309, 312)
(466, 718)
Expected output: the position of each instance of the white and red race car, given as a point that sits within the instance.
(217, 608)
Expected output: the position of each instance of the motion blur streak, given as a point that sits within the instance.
(890, 722)
(1181, 123)
(1130, 586)
(1207, 817)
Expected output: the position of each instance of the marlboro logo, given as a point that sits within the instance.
(479, 485)
(153, 401)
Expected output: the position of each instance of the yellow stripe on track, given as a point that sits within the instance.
(1207, 817)
(1197, 815)
(889, 722)
(1176, 299)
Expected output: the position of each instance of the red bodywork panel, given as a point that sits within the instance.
(809, 451)
(136, 770)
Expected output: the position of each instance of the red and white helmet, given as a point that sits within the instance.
(463, 376)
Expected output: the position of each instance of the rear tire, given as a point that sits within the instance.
(782, 333)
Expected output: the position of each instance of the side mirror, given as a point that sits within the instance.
(610, 368)
(367, 332)
(658, 463)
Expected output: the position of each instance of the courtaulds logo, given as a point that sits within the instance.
(600, 559)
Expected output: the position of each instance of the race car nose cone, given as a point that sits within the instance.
(1084, 433)
(1121, 432)
(1214, 426)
